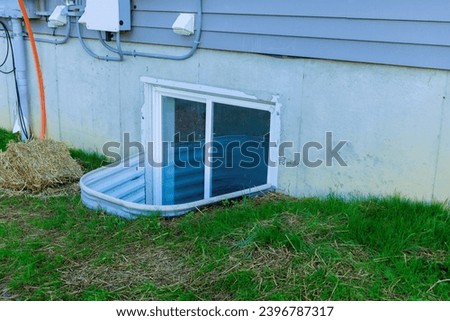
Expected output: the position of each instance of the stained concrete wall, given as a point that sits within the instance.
(7, 95)
(4, 104)
(395, 119)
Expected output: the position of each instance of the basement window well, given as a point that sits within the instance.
(202, 145)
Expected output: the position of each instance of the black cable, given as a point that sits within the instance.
(7, 50)
(13, 70)
(6, 58)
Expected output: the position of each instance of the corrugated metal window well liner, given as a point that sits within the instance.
(206, 145)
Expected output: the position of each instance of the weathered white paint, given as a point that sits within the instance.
(395, 119)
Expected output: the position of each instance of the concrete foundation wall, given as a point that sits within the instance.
(396, 120)
(7, 92)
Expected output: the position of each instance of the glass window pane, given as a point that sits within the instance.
(183, 124)
(240, 148)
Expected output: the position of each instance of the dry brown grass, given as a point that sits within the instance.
(286, 266)
(128, 268)
(37, 165)
(5, 294)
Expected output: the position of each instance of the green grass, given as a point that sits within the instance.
(5, 138)
(89, 161)
(271, 248)
(265, 248)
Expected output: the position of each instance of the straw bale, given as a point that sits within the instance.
(37, 165)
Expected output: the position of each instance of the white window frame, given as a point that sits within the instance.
(151, 129)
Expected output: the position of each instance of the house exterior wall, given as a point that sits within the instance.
(395, 119)
(8, 99)
(402, 32)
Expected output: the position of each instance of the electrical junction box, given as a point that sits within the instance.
(107, 15)
(11, 9)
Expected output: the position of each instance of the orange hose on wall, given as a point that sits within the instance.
(38, 68)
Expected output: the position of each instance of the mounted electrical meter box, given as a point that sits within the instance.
(107, 15)
(11, 9)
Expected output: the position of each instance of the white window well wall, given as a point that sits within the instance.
(204, 145)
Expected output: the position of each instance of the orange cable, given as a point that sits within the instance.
(38, 68)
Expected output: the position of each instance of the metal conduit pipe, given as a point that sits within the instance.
(93, 54)
(118, 50)
(72, 11)
(21, 73)
(196, 43)
(60, 40)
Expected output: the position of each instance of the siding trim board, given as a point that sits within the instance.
(403, 32)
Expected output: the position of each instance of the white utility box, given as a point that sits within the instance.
(107, 15)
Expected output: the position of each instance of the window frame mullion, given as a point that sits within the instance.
(209, 136)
